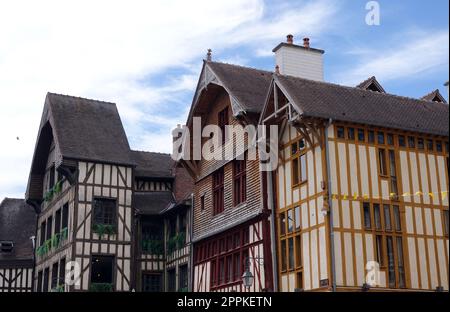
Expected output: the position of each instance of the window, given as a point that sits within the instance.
(446, 222)
(391, 261)
(152, 282)
(42, 235)
(49, 227)
(377, 216)
(439, 146)
(351, 133)
(39, 282)
(202, 202)
(65, 216)
(393, 173)
(387, 217)
(401, 141)
(171, 280)
(390, 139)
(420, 143)
(299, 174)
(340, 132)
(291, 253)
(62, 272)
(283, 255)
(400, 263)
(104, 211)
(379, 249)
(397, 222)
(45, 282)
(58, 221)
(382, 161)
(371, 136)
(218, 186)
(411, 142)
(183, 279)
(367, 217)
(6, 246)
(361, 135)
(298, 221)
(380, 137)
(430, 145)
(102, 268)
(282, 224)
(295, 172)
(223, 121)
(290, 220)
(240, 181)
(55, 272)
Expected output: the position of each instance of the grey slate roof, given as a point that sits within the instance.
(152, 203)
(88, 129)
(327, 100)
(152, 165)
(17, 224)
(248, 85)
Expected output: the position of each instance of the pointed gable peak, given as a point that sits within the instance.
(434, 96)
(371, 84)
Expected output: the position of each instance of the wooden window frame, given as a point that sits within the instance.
(218, 187)
(105, 217)
(299, 171)
(222, 122)
(239, 182)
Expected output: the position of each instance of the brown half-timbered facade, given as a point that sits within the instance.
(231, 230)
(362, 185)
(17, 230)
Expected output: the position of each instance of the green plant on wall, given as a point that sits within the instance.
(102, 229)
(176, 242)
(152, 246)
(55, 190)
(101, 287)
(53, 243)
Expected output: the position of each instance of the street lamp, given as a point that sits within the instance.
(247, 277)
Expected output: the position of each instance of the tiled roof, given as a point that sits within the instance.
(327, 100)
(248, 85)
(17, 224)
(152, 203)
(152, 165)
(434, 96)
(88, 129)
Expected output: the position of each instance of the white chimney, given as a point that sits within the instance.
(299, 61)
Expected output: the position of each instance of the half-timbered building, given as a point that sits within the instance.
(17, 230)
(361, 193)
(81, 184)
(231, 231)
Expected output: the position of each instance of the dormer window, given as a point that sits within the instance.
(6, 246)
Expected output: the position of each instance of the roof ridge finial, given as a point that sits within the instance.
(209, 55)
(277, 69)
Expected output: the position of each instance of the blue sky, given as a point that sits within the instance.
(146, 56)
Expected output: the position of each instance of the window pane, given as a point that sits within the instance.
(361, 136)
(380, 137)
(340, 132)
(411, 142)
(387, 217)
(430, 145)
(282, 224)
(290, 217)
(391, 263)
(301, 144)
(420, 143)
(298, 220)
(377, 216)
(283, 256)
(446, 222)
(303, 168)
(371, 136)
(102, 269)
(295, 170)
(291, 252)
(294, 148)
(390, 139)
(398, 224)
(351, 133)
(439, 146)
(401, 141)
(379, 249)
(392, 166)
(367, 218)
(400, 263)
(382, 161)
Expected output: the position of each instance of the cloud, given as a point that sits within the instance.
(125, 52)
(417, 53)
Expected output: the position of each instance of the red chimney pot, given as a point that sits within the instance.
(306, 42)
(290, 39)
